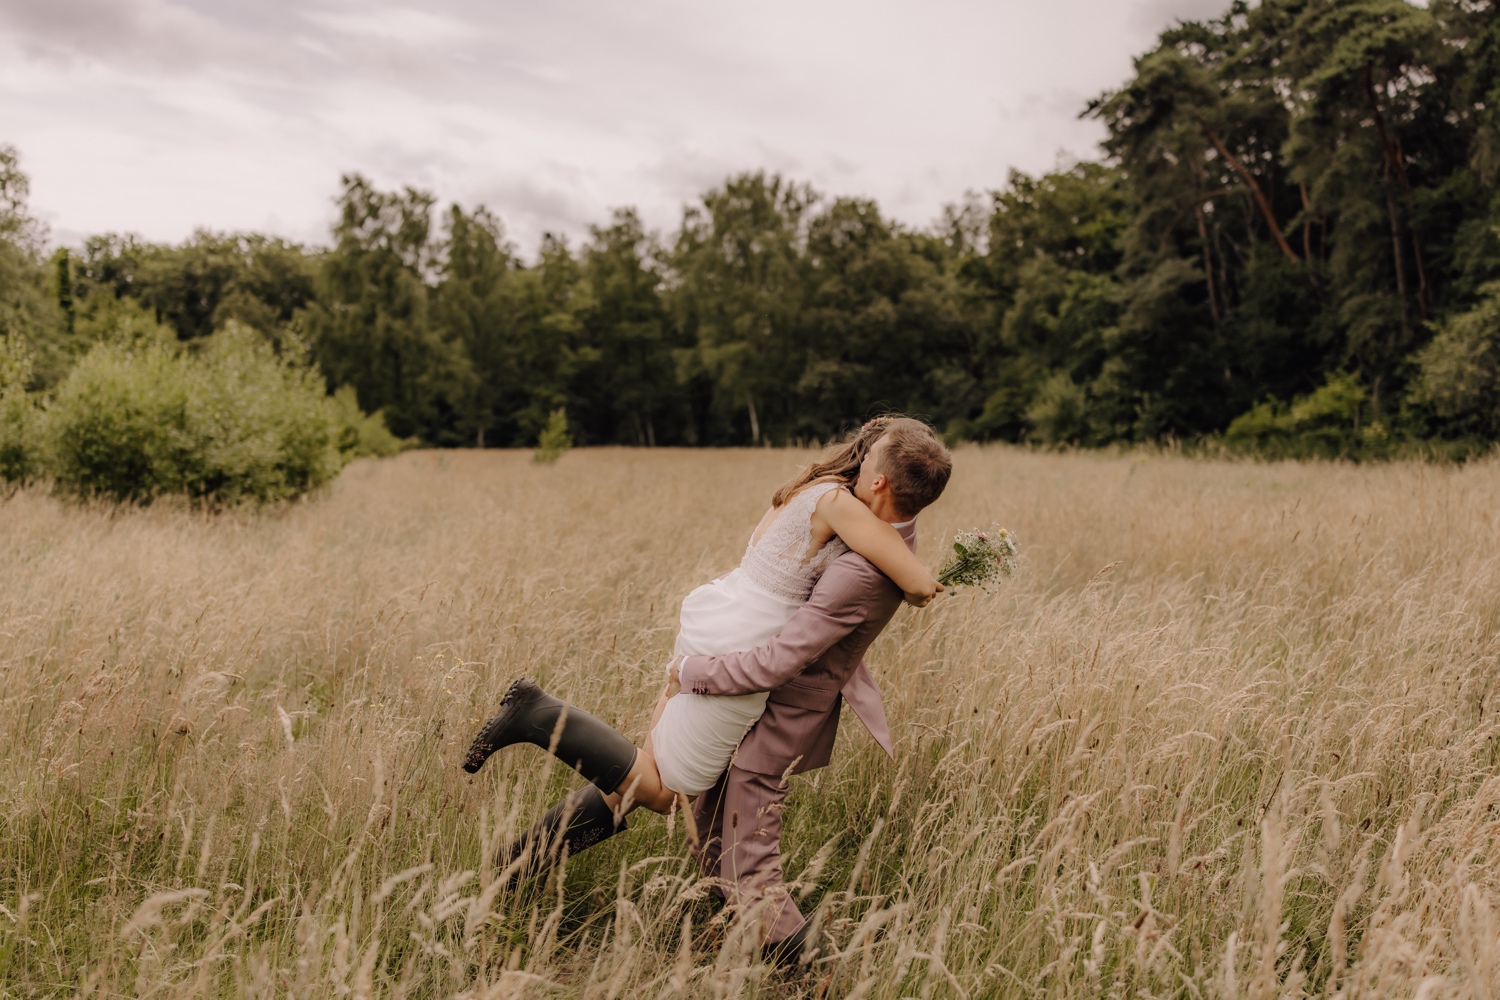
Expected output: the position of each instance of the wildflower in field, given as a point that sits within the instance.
(979, 558)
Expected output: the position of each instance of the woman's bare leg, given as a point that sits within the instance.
(659, 798)
(642, 784)
(661, 706)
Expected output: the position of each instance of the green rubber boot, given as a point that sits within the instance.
(575, 824)
(530, 715)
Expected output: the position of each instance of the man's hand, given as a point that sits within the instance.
(674, 677)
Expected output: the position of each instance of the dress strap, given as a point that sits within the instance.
(817, 491)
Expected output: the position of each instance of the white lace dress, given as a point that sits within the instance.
(746, 608)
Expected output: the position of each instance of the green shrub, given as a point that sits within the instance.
(231, 422)
(1323, 424)
(1059, 413)
(554, 439)
(1458, 373)
(361, 434)
(18, 414)
(99, 319)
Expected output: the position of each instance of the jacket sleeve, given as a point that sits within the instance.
(839, 604)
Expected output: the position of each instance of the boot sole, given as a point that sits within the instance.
(483, 745)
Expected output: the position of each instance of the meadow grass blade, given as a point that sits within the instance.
(1231, 732)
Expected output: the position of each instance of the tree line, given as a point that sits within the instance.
(1291, 238)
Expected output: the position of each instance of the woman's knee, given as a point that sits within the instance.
(662, 800)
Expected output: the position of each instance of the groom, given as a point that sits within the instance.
(810, 669)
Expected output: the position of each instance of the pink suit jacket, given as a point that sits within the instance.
(814, 665)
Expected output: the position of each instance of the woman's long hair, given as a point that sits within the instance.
(839, 463)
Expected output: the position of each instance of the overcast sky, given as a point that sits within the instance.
(160, 116)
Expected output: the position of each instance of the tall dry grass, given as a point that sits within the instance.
(1231, 732)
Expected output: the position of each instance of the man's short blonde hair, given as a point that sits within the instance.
(916, 462)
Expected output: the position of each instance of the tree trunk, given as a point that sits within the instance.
(1411, 228)
(1390, 207)
(1306, 222)
(1260, 196)
(479, 438)
(1390, 204)
(1208, 265)
(1171, 227)
(1395, 167)
(754, 419)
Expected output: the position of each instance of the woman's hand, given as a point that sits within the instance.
(674, 677)
(921, 600)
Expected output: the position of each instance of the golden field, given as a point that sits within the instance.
(1230, 731)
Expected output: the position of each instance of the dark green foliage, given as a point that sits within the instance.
(19, 414)
(62, 263)
(1303, 174)
(475, 303)
(370, 326)
(26, 309)
(199, 286)
(1053, 299)
(1298, 204)
(741, 288)
(627, 391)
(880, 319)
(545, 341)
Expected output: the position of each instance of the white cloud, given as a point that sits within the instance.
(161, 115)
(393, 24)
(151, 36)
(1158, 14)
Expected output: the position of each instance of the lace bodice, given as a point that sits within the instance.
(779, 561)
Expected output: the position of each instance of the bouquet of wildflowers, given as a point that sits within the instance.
(980, 557)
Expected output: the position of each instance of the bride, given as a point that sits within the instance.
(814, 518)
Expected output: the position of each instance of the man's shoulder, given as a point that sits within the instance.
(856, 579)
(852, 562)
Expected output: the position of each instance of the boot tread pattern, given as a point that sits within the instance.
(484, 744)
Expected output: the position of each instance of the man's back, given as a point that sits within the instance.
(816, 658)
(800, 723)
